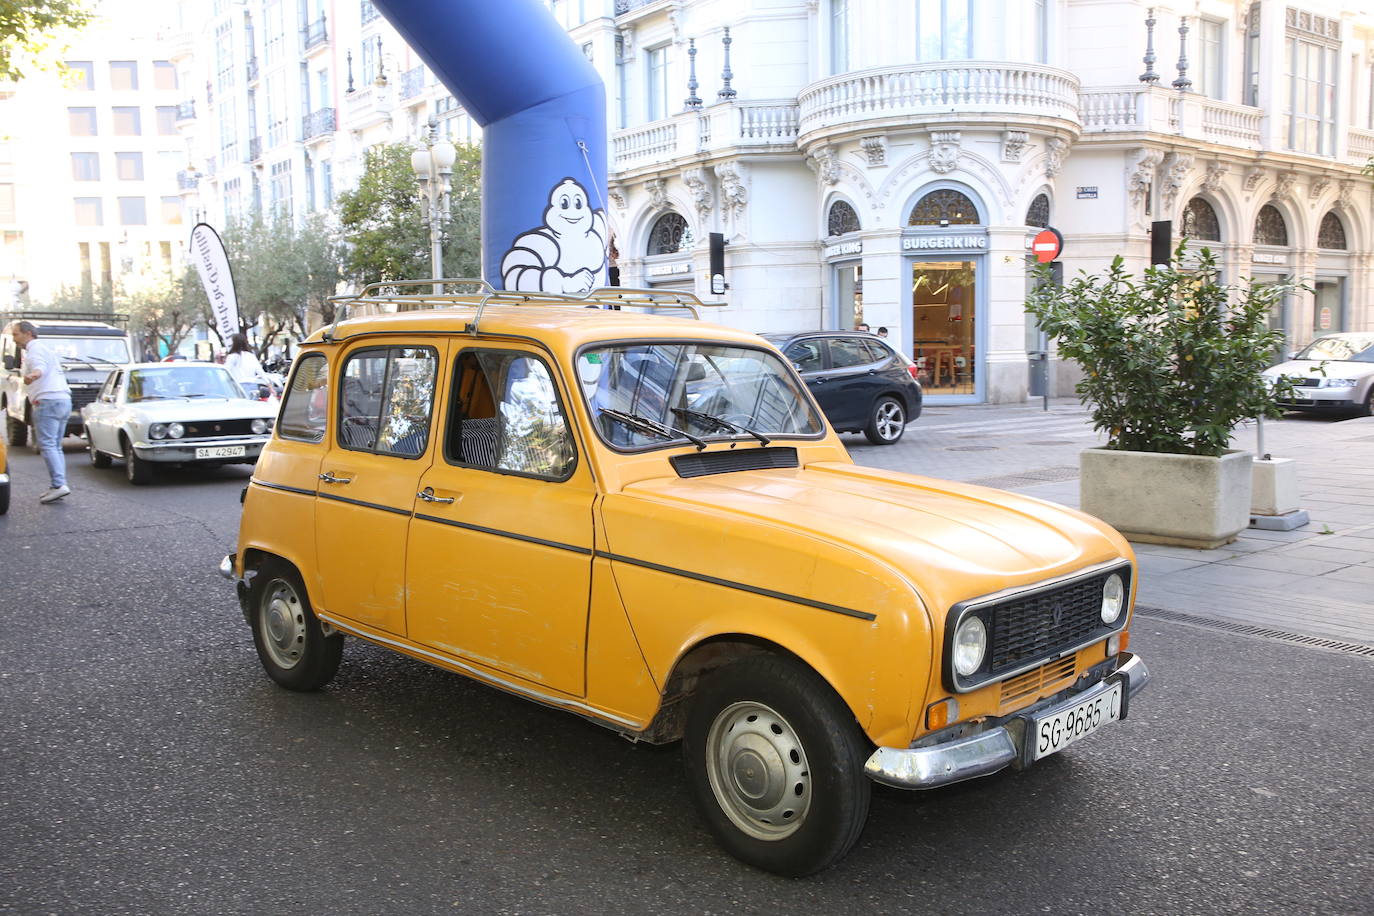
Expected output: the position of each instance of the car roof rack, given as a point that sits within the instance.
(39, 315)
(391, 296)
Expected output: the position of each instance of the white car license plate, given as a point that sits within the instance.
(222, 451)
(1056, 732)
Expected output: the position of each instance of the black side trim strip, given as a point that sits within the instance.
(505, 534)
(281, 486)
(365, 505)
(769, 593)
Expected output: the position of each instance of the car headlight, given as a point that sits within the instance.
(260, 426)
(970, 645)
(1113, 598)
(175, 430)
(157, 431)
(1337, 383)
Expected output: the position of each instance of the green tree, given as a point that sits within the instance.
(319, 254)
(28, 26)
(166, 311)
(385, 235)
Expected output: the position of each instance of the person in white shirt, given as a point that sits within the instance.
(243, 364)
(52, 404)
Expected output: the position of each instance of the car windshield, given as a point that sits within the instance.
(647, 394)
(99, 350)
(182, 382)
(1357, 348)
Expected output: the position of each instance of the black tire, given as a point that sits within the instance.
(1367, 409)
(98, 458)
(18, 430)
(4, 497)
(138, 471)
(887, 422)
(290, 642)
(772, 721)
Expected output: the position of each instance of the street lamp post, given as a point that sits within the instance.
(433, 167)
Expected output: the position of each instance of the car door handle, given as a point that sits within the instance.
(328, 477)
(427, 494)
(818, 381)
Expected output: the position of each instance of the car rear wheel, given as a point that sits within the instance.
(138, 471)
(291, 644)
(98, 458)
(887, 422)
(775, 763)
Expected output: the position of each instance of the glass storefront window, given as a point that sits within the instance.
(1328, 312)
(943, 299)
(849, 296)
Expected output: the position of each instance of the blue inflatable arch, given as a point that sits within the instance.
(542, 108)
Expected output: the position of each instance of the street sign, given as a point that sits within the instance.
(1047, 245)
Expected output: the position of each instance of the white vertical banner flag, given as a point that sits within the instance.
(207, 251)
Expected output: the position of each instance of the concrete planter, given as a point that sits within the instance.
(1188, 500)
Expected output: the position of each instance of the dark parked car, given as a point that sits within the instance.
(861, 383)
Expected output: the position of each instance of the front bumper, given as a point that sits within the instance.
(990, 750)
(184, 450)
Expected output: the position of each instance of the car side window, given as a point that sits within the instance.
(507, 417)
(307, 400)
(848, 351)
(386, 398)
(111, 389)
(876, 352)
(805, 355)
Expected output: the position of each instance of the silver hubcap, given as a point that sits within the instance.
(758, 771)
(283, 624)
(889, 420)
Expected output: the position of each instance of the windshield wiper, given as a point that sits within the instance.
(720, 423)
(653, 427)
(98, 359)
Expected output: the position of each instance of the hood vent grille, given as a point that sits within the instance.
(703, 464)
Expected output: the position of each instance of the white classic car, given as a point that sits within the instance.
(153, 414)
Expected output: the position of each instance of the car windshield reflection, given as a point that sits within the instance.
(181, 382)
(1358, 348)
(658, 394)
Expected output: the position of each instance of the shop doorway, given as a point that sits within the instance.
(944, 296)
(849, 296)
(1329, 313)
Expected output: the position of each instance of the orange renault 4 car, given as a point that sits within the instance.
(644, 520)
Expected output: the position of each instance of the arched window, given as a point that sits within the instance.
(1200, 221)
(670, 235)
(1038, 214)
(944, 207)
(1332, 233)
(842, 219)
(1270, 229)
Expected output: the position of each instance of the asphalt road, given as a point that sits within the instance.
(149, 766)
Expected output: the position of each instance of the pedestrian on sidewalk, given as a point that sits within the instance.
(51, 399)
(242, 364)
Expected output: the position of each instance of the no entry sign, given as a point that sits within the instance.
(1047, 245)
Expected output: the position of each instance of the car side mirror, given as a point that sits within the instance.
(696, 372)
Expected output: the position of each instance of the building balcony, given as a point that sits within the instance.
(412, 82)
(186, 111)
(252, 69)
(318, 124)
(368, 107)
(369, 11)
(187, 180)
(725, 127)
(315, 34)
(254, 149)
(1154, 109)
(995, 92)
(1359, 145)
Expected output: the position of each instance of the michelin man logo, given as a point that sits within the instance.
(566, 254)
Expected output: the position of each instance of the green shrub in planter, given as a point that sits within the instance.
(1172, 360)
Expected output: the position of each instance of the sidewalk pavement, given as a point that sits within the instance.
(1316, 581)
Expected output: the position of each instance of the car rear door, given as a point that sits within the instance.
(852, 381)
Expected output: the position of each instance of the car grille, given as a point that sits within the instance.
(1305, 382)
(205, 429)
(83, 395)
(1037, 681)
(1041, 625)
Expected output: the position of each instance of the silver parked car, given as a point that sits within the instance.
(1334, 373)
(152, 414)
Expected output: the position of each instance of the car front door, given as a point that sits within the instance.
(498, 569)
(100, 416)
(379, 448)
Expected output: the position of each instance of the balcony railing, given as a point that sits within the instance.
(412, 81)
(316, 34)
(755, 124)
(920, 91)
(254, 149)
(252, 69)
(318, 123)
(365, 107)
(1359, 144)
(370, 11)
(186, 111)
(187, 181)
(1158, 110)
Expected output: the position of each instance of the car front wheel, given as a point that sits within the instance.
(136, 469)
(775, 763)
(887, 422)
(291, 644)
(18, 430)
(1367, 410)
